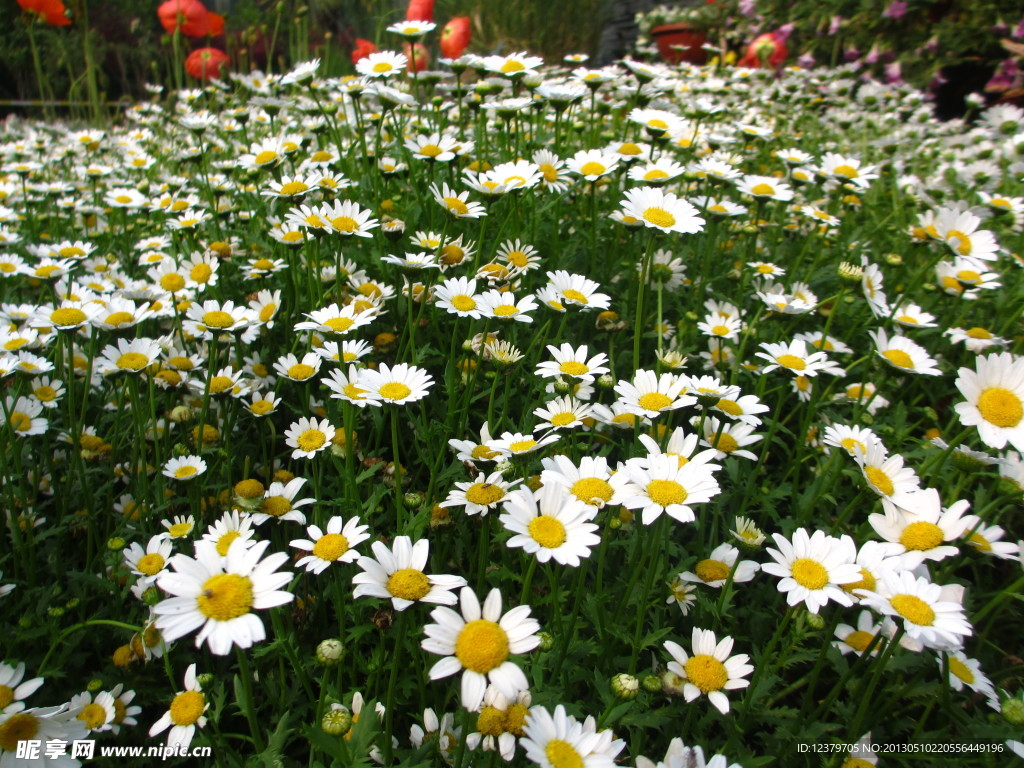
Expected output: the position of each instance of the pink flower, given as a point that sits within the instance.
(895, 10)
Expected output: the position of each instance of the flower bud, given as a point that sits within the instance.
(1013, 711)
(330, 652)
(204, 679)
(651, 683)
(625, 686)
(547, 641)
(337, 722)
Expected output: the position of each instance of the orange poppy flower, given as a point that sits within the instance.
(206, 63)
(50, 11)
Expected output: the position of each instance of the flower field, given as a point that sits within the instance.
(515, 413)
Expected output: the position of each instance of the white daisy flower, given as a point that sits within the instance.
(995, 399)
(573, 362)
(186, 713)
(710, 670)
(813, 568)
(551, 524)
(661, 210)
(919, 529)
(903, 354)
(309, 437)
(479, 642)
(336, 544)
(217, 595)
(397, 574)
(715, 569)
(398, 384)
(14, 688)
(664, 486)
(927, 614)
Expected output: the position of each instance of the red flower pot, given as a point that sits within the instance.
(668, 36)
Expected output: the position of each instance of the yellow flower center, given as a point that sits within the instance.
(179, 529)
(572, 294)
(921, 536)
(879, 480)
(275, 506)
(20, 422)
(867, 581)
(463, 303)
(339, 324)
(913, 609)
(311, 440)
(573, 368)
(809, 573)
(706, 672)
(120, 712)
(431, 150)
(979, 333)
(655, 174)
(547, 531)
(726, 443)
(408, 584)
(859, 640)
(762, 189)
(187, 707)
(46, 270)
(659, 217)
(225, 541)
(201, 273)
(150, 564)
(792, 362)
(515, 719)
(218, 319)
(654, 401)
(20, 727)
(132, 361)
(301, 371)
(6, 697)
(456, 206)
(592, 490)
(352, 392)
(961, 670)
(225, 596)
(506, 310)
(68, 316)
(975, 539)
(261, 407)
(331, 546)
(484, 494)
(512, 66)
(550, 173)
(344, 224)
(1000, 406)
(93, 715)
(219, 384)
(382, 66)
(563, 419)
(562, 754)
(266, 156)
(712, 570)
(960, 242)
(592, 169)
(294, 188)
(664, 493)
(729, 406)
(394, 391)
(481, 646)
(899, 358)
(852, 445)
(846, 170)
(119, 318)
(491, 722)
(522, 446)
(482, 452)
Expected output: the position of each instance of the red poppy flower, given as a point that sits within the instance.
(455, 37)
(767, 51)
(363, 49)
(191, 15)
(422, 57)
(420, 10)
(206, 63)
(50, 11)
(216, 24)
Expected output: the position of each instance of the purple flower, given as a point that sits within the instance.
(873, 55)
(782, 33)
(1005, 77)
(895, 10)
(851, 54)
(932, 45)
(1018, 31)
(833, 26)
(894, 73)
(747, 7)
(806, 60)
